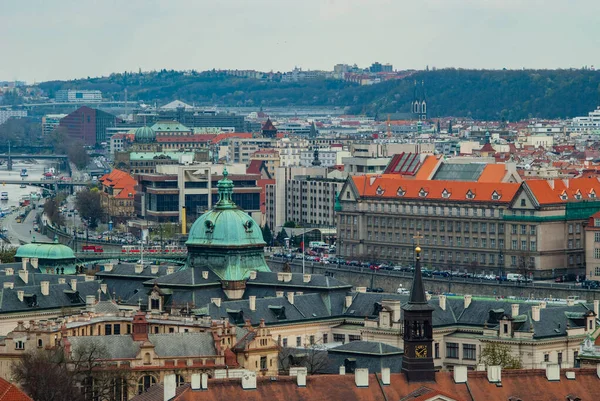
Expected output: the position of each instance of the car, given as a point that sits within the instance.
(402, 291)
(144, 262)
(375, 289)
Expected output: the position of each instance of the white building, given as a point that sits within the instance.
(589, 123)
(6, 114)
(78, 96)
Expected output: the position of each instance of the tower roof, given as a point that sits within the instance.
(418, 299)
(268, 126)
(145, 135)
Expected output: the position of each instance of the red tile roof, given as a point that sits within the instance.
(392, 186)
(9, 392)
(187, 138)
(118, 179)
(493, 173)
(561, 191)
(222, 137)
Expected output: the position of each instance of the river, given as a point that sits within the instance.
(35, 170)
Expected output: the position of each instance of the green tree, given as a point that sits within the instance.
(280, 239)
(495, 354)
(290, 224)
(267, 235)
(90, 206)
(7, 254)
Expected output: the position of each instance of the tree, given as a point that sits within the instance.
(280, 239)
(290, 224)
(312, 356)
(89, 205)
(7, 254)
(267, 235)
(52, 211)
(78, 155)
(495, 354)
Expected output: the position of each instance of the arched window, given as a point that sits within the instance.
(423, 108)
(180, 380)
(40, 343)
(145, 383)
(147, 358)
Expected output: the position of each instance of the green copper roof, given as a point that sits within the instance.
(48, 251)
(338, 206)
(145, 135)
(170, 126)
(137, 156)
(226, 225)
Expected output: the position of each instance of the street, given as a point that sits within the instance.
(24, 231)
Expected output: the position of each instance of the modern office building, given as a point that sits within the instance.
(6, 114)
(88, 125)
(78, 96)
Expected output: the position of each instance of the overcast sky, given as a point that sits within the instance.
(63, 39)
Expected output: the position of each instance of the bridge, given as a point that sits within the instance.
(10, 157)
(174, 257)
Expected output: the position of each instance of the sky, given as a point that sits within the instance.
(44, 40)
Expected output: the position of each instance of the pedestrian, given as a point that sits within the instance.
(29, 232)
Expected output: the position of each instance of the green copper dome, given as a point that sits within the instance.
(145, 135)
(45, 251)
(226, 225)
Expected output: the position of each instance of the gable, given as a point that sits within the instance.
(524, 200)
(348, 191)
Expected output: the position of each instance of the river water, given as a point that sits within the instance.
(35, 170)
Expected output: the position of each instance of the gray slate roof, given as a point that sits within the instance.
(183, 344)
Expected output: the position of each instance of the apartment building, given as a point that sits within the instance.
(311, 200)
(535, 227)
(240, 150)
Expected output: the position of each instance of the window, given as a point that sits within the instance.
(312, 340)
(570, 228)
(513, 227)
(108, 329)
(263, 363)
(352, 337)
(298, 341)
(469, 352)
(339, 338)
(452, 350)
(145, 383)
(523, 203)
(533, 246)
(597, 237)
(546, 357)
(501, 243)
(19, 345)
(284, 342)
(523, 245)
(40, 343)
(325, 338)
(596, 253)
(570, 244)
(532, 230)
(155, 303)
(470, 195)
(436, 350)
(117, 329)
(513, 260)
(514, 244)
(577, 228)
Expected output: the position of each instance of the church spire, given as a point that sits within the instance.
(417, 293)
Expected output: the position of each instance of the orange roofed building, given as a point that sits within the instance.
(117, 193)
(483, 225)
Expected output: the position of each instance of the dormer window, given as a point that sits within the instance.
(445, 194)
(379, 191)
(578, 195)
(400, 192)
(564, 196)
(496, 196)
(592, 194)
(470, 194)
(423, 193)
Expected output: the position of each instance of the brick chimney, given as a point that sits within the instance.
(140, 327)
(45, 287)
(442, 299)
(252, 302)
(290, 297)
(74, 284)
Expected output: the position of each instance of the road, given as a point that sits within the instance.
(23, 231)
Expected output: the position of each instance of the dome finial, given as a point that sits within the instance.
(225, 187)
(225, 173)
(55, 239)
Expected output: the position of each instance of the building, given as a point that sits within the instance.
(88, 125)
(592, 247)
(165, 128)
(535, 227)
(586, 124)
(50, 122)
(269, 130)
(6, 114)
(117, 194)
(328, 158)
(240, 150)
(311, 199)
(270, 157)
(78, 96)
(419, 103)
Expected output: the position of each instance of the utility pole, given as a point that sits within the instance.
(303, 252)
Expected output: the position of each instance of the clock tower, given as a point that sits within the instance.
(417, 361)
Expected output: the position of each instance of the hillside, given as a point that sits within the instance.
(481, 94)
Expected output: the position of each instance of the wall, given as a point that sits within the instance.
(389, 281)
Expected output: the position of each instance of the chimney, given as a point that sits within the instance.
(104, 288)
(204, 379)
(361, 289)
(442, 299)
(348, 301)
(543, 304)
(9, 271)
(570, 302)
(196, 381)
(170, 386)
(154, 269)
(553, 372)
(279, 294)
(494, 374)
(252, 302)
(62, 280)
(570, 375)
(88, 278)
(467, 301)
(535, 313)
(514, 310)
(9, 284)
(287, 277)
(428, 296)
(74, 284)
(249, 380)
(343, 370)
(361, 377)
(280, 276)
(90, 301)
(108, 267)
(205, 274)
(20, 294)
(385, 376)
(253, 275)
(460, 374)
(170, 269)
(24, 275)
(290, 297)
(34, 262)
(45, 287)
(139, 268)
(597, 307)
(306, 278)
(24, 262)
(301, 378)
(216, 301)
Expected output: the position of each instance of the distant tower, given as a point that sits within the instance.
(313, 131)
(419, 103)
(269, 130)
(417, 361)
(316, 162)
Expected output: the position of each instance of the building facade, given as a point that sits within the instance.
(88, 125)
(78, 96)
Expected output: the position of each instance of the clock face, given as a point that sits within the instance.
(421, 351)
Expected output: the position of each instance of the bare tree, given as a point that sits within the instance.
(495, 354)
(312, 356)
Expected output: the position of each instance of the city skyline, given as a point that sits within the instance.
(75, 40)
